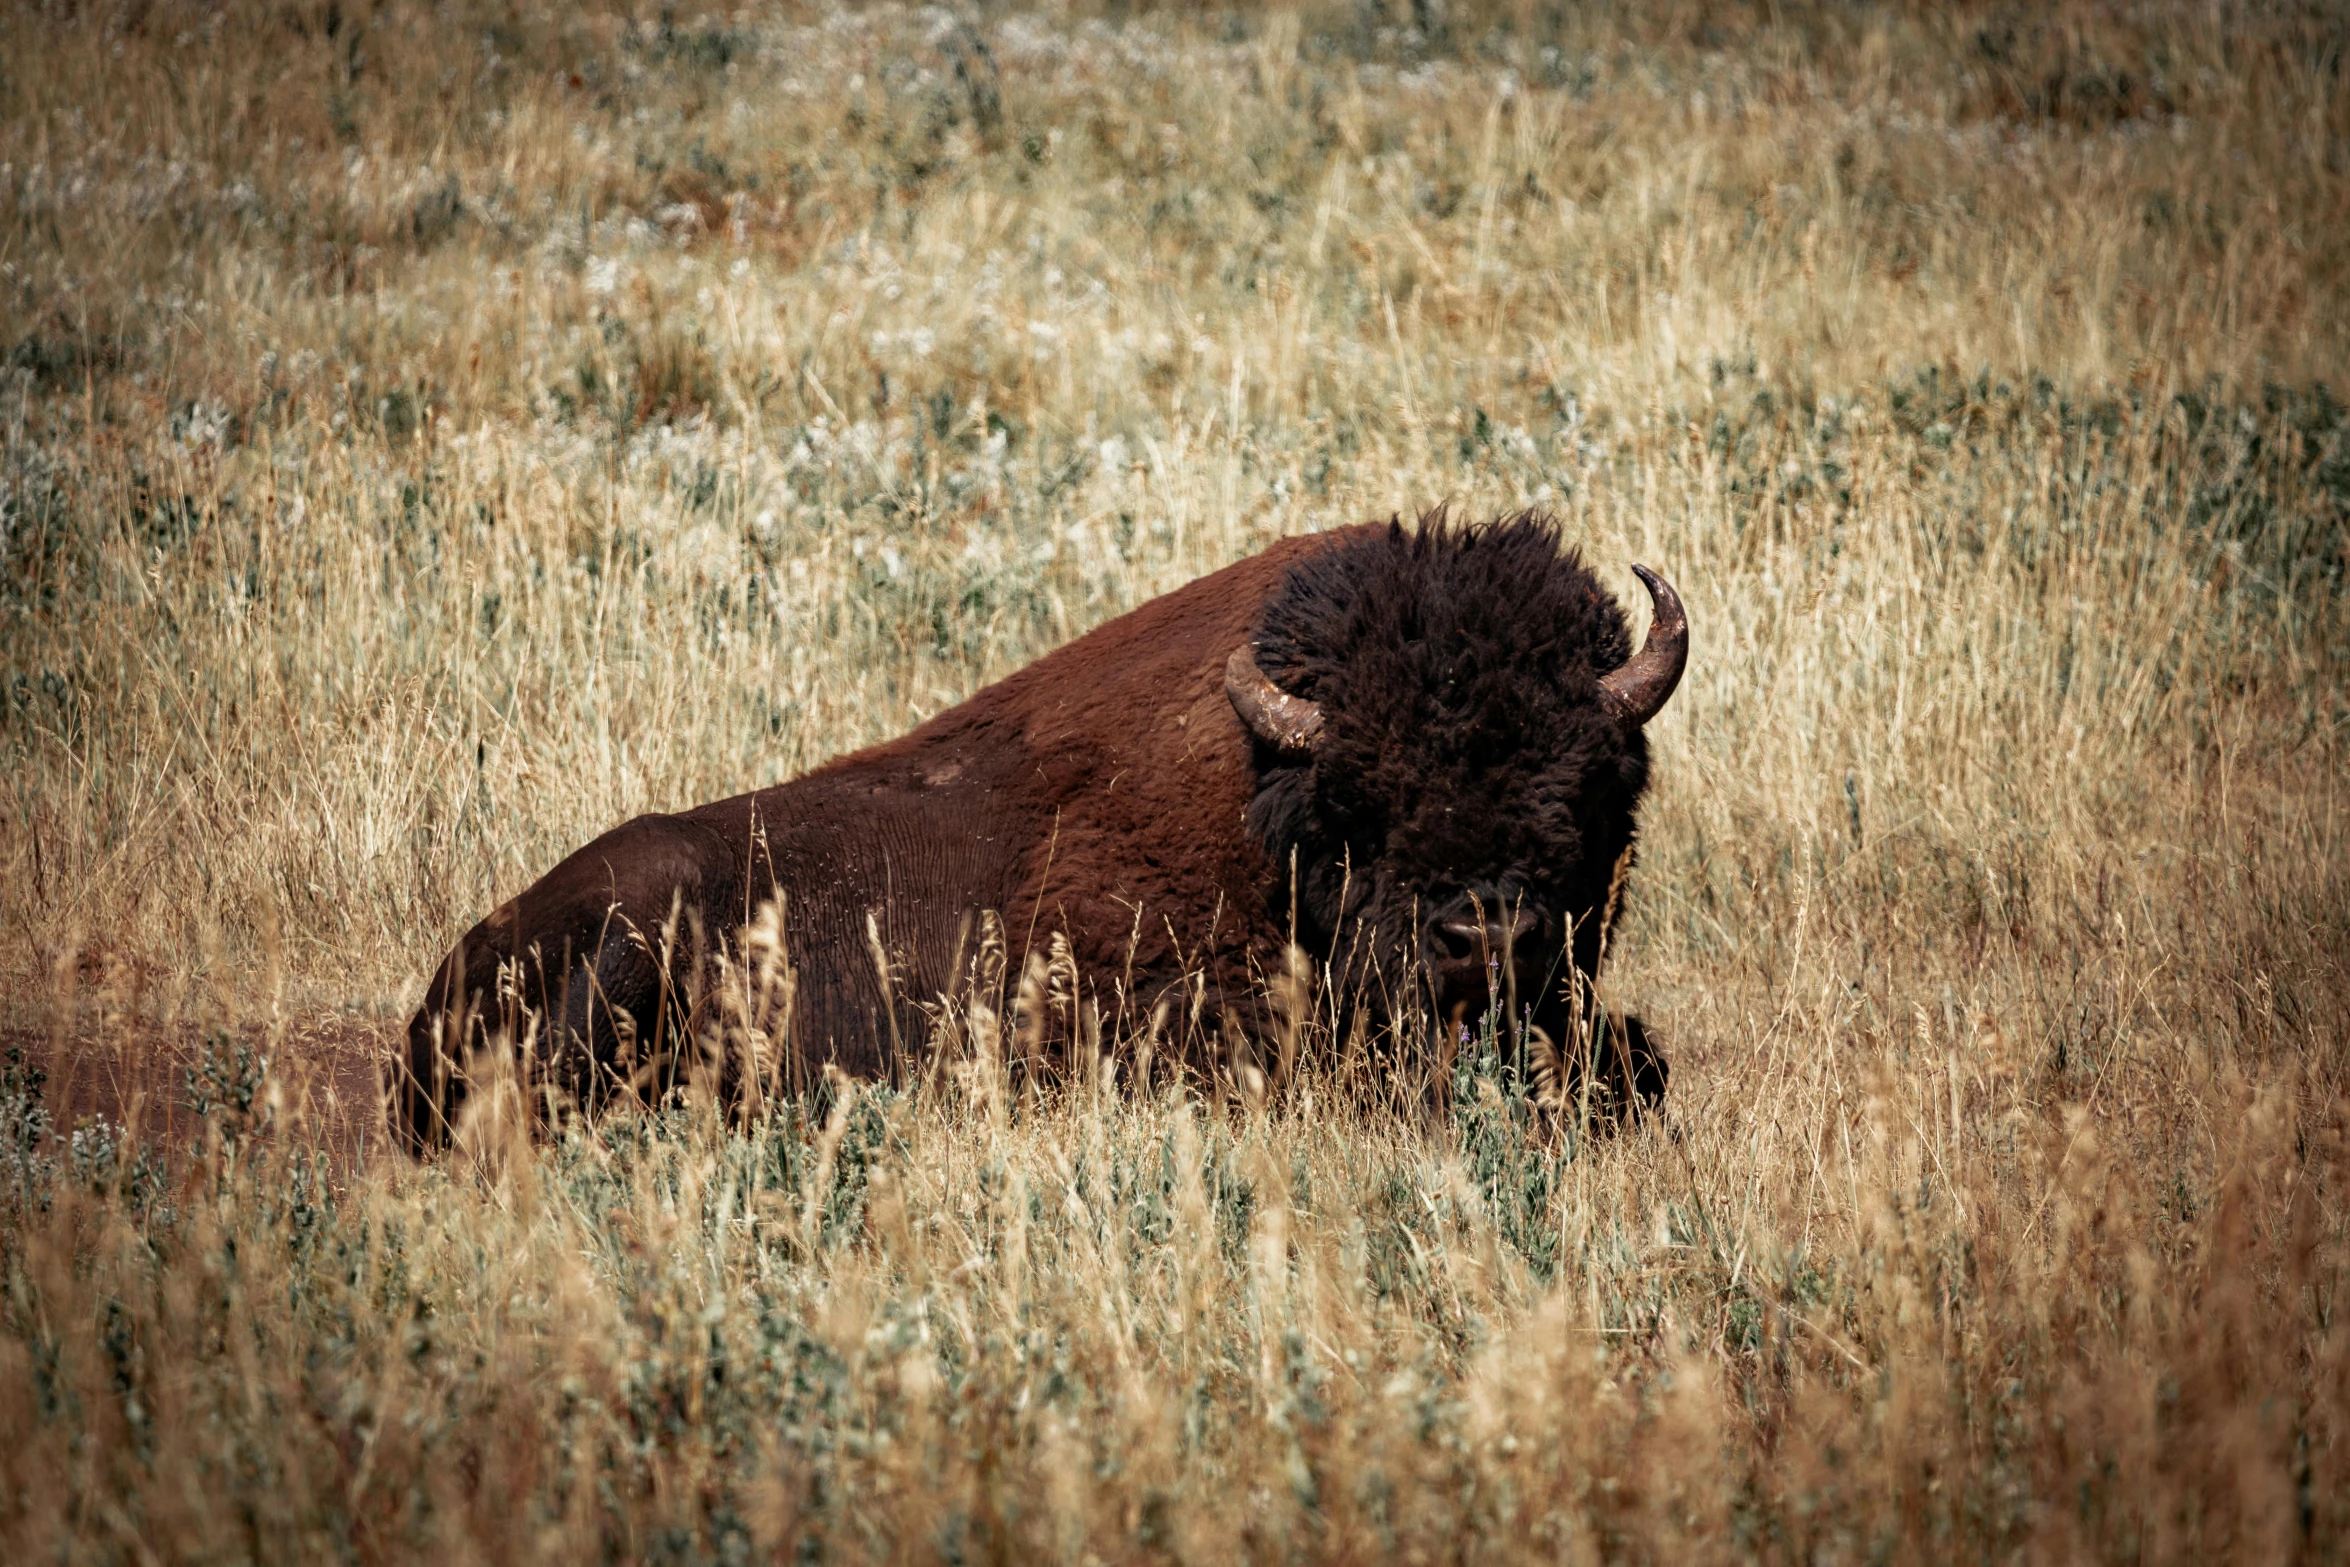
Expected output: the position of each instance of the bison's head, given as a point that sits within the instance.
(1448, 734)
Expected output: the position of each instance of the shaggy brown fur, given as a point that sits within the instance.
(1470, 792)
(1109, 794)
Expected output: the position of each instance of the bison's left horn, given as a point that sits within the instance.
(1637, 692)
(1285, 722)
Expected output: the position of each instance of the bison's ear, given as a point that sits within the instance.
(1284, 722)
(1637, 692)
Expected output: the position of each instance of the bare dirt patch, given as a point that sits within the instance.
(324, 1085)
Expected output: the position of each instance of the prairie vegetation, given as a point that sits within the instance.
(431, 434)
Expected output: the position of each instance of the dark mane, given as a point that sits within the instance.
(1457, 667)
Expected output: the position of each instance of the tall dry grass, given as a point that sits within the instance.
(433, 434)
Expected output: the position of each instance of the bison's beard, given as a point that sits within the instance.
(1417, 999)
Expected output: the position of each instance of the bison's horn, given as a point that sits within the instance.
(1285, 722)
(1637, 692)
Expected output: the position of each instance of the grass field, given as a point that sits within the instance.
(430, 434)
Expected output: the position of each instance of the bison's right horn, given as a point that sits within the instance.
(1637, 692)
(1285, 722)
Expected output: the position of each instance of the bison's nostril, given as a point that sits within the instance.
(1460, 939)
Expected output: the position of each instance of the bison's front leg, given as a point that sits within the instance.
(1613, 1064)
(1626, 1061)
(581, 977)
(1633, 1070)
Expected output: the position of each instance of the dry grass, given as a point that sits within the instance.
(431, 435)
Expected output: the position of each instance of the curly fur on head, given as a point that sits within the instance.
(1465, 748)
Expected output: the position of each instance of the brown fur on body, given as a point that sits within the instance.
(1109, 795)
(1097, 792)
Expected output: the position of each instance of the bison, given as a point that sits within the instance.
(1414, 753)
